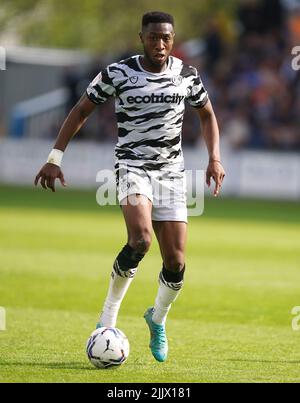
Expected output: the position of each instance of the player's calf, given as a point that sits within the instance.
(124, 270)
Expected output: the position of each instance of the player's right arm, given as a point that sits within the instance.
(72, 124)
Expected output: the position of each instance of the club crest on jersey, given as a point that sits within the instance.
(133, 79)
(177, 80)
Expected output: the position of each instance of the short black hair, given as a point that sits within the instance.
(157, 17)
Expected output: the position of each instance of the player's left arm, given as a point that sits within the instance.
(211, 136)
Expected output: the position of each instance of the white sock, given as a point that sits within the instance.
(166, 295)
(119, 284)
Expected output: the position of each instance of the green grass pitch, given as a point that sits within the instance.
(232, 322)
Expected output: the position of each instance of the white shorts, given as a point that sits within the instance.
(166, 190)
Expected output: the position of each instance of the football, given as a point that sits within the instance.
(107, 347)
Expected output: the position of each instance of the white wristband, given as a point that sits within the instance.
(55, 157)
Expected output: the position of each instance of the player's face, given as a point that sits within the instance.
(158, 40)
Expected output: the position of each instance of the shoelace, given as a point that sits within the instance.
(160, 335)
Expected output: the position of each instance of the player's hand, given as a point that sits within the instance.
(216, 171)
(48, 174)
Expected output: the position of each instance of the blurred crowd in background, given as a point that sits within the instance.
(249, 77)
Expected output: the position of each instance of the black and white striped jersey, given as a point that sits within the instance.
(149, 108)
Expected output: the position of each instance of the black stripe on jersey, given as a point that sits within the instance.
(116, 69)
(101, 93)
(180, 120)
(154, 167)
(127, 154)
(170, 142)
(161, 142)
(124, 117)
(131, 63)
(106, 79)
(202, 103)
(174, 154)
(157, 127)
(197, 81)
(195, 98)
(146, 166)
(131, 108)
(128, 88)
(94, 99)
(188, 71)
(159, 80)
(117, 87)
(123, 132)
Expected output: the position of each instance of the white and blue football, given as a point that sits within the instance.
(107, 347)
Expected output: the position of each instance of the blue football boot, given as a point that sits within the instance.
(158, 341)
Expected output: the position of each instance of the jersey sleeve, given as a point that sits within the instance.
(101, 88)
(197, 94)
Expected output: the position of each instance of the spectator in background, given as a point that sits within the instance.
(250, 17)
(273, 16)
(214, 47)
(236, 129)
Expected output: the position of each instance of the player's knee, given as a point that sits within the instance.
(175, 262)
(141, 241)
